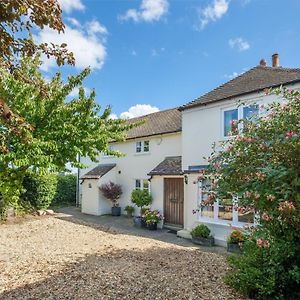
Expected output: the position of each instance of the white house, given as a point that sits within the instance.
(166, 153)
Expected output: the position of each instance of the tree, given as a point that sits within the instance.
(111, 191)
(17, 19)
(260, 168)
(61, 129)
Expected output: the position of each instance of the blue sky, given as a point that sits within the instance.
(164, 53)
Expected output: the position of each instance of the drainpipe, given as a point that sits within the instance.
(77, 183)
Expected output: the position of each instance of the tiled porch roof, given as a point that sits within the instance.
(98, 171)
(169, 166)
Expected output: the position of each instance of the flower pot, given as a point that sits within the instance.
(234, 248)
(143, 223)
(208, 242)
(116, 211)
(129, 214)
(152, 226)
(137, 221)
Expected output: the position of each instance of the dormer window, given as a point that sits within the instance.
(142, 146)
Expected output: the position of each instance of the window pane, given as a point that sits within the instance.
(207, 211)
(137, 183)
(230, 116)
(145, 184)
(250, 112)
(245, 215)
(225, 210)
(138, 146)
(146, 146)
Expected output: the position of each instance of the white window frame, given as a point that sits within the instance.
(142, 187)
(142, 143)
(105, 155)
(215, 220)
(240, 110)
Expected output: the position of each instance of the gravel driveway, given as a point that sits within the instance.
(52, 258)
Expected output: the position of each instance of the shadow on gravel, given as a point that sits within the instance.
(156, 273)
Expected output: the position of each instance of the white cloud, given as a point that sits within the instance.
(156, 52)
(213, 12)
(75, 92)
(87, 43)
(233, 75)
(70, 5)
(239, 43)
(137, 110)
(149, 11)
(133, 53)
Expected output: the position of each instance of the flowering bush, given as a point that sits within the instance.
(260, 167)
(236, 237)
(152, 216)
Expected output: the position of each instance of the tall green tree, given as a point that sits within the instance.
(61, 127)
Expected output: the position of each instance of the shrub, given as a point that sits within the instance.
(111, 191)
(65, 191)
(200, 231)
(260, 169)
(40, 190)
(236, 237)
(129, 209)
(141, 198)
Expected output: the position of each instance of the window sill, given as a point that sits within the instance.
(224, 223)
(142, 153)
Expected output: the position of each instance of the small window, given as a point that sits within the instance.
(137, 184)
(146, 184)
(230, 121)
(90, 185)
(251, 112)
(138, 147)
(146, 146)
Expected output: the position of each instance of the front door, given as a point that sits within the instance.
(173, 201)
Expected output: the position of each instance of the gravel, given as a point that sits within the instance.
(51, 258)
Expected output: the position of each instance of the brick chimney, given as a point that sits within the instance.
(263, 62)
(275, 60)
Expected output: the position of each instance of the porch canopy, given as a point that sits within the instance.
(98, 171)
(169, 166)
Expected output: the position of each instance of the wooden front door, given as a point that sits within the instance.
(173, 201)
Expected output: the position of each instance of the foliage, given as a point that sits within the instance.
(111, 191)
(141, 198)
(65, 191)
(40, 190)
(63, 128)
(18, 18)
(260, 169)
(236, 237)
(152, 216)
(200, 231)
(129, 209)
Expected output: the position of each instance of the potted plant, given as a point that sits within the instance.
(152, 217)
(140, 198)
(234, 241)
(130, 210)
(201, 236)
(112, 192)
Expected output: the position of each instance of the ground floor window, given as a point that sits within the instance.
(142, 184)
(223, 212)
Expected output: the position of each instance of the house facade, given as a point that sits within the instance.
(167, 160)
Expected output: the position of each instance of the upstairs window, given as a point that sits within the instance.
(232, 116)
(142, 146)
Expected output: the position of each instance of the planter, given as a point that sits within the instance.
(129, 214)
(208, 242)
(116, 211)
(137, 221)
(234, 248)
(152, 226)
(143, 223)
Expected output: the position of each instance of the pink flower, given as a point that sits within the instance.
(262, 243)
(286, 205)
(290, 134)
(265, 217)
(233, 122)
(270, 197)
(260, 175)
